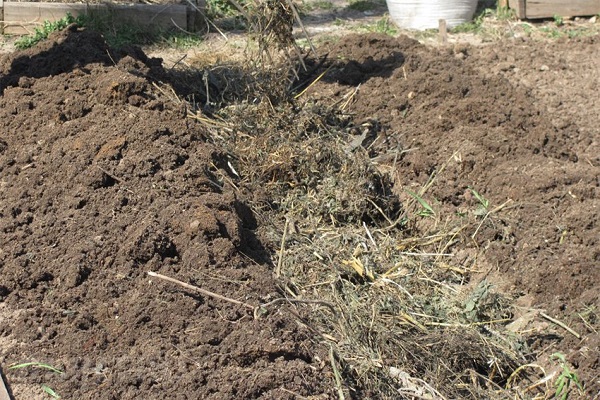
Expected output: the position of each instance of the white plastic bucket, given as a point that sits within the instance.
(425, 14)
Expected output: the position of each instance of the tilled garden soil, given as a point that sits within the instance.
(517, 122)
(103, 178)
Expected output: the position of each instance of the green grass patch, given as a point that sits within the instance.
(362, 5)
(36, 365)
(322, 5)
(383, 25)
(117, 34)
(223, 8)
(474, 25)
(44, 31)
(477, 24)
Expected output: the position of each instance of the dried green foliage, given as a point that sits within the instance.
(409, 321)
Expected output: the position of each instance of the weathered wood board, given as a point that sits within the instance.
(22, 18)
(532, 9)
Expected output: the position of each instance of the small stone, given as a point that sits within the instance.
(194, 225)
(593, 19)
(544, 68)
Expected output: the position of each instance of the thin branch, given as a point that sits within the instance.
(202, 291)
(561, 324)
(282, 248)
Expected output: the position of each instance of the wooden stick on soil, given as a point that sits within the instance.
(282, 248)
(443, 32)
(200, 290)
(561, 324)
(116, 178)
(256, 310)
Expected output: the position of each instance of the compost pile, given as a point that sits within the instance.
(403, 217)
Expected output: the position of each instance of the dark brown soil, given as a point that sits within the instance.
(517, 122)
(103, 178)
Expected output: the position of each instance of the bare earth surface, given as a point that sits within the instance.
(517, 121)
(103, 178)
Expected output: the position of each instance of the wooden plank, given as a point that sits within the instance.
(520, 8)
(1, 17)
(23, 18)
(550, 8)
(443, 31)
(196, 15)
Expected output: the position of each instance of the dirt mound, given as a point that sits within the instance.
(103, 179)
(451, 122)
(424, 199)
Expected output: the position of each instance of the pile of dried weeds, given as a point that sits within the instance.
(383, 289)
(405, 320)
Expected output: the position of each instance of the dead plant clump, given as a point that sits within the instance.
(406, 322)
(402, 317)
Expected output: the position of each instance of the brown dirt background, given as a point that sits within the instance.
(509, 144)
(515, 120)
(102, 178)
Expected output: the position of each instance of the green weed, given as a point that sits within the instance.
(383, 25)
(47, 389)
(44, 31)
(181, 40)
(505, 13)
(551, 32)
(50, 392)
(222, 8)
(558, 20)
(484, 203)
(527, 28)
(339, 22)
(426, 210)
(477, 24)
(37, 365)
(474, 25)
(565, 379)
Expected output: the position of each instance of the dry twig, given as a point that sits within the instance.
(561, 324)
(257, 310)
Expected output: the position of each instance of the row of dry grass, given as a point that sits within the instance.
(403, 315)
(408, 318)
